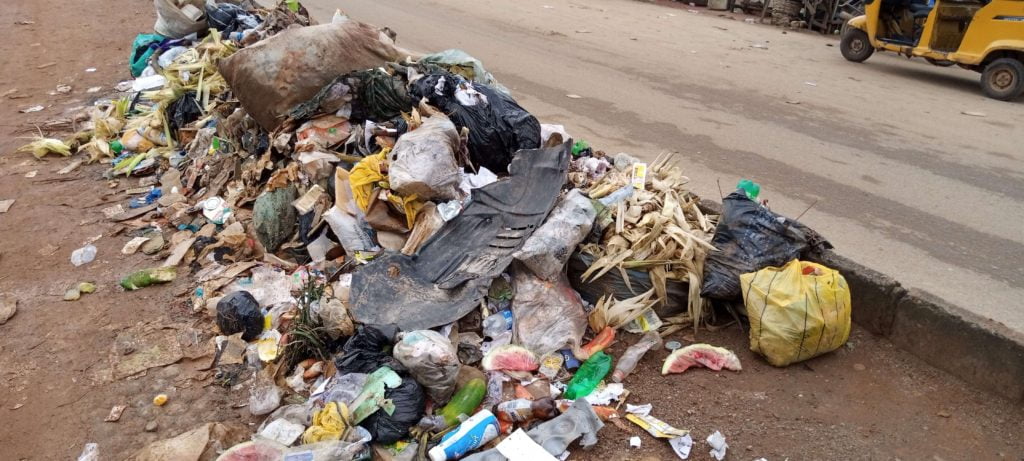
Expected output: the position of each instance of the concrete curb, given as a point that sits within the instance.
(979, 351)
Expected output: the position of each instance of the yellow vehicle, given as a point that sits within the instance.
(980, 35)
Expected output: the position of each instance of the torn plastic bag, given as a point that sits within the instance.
(432, 360)
(178, 21)
(368, 350)
(273, 75)
(451, 273)
(557, 434)
(460, 62)
(549, 314)
(183, 111)
(749, 237)
(549, 248)
(423, 161)
(228, 18)
(498, 126)
(612, 283)
(409, 404)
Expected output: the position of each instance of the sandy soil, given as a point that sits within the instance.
(866, 401)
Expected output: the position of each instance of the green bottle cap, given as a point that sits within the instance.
(116, 147)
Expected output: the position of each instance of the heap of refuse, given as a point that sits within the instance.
(397, 257)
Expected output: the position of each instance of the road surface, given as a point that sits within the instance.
(904, 181)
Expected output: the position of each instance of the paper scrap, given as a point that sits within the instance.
(115, 413)
(283, 431)
(6, 205)
(605, 395)
(682, 446)
(520, 447)
(639, 178)
(29, 110)
(31, 174)
(642, 410)
(656, 427)
(133, 245)
(718, 445)
(573, 96)
(112, 211)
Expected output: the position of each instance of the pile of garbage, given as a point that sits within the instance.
(399, 258)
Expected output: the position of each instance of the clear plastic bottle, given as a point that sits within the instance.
(627, 363)
(497, 323)
(589, 376)
(523, 410)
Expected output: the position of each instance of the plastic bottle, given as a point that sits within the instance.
(465, 400)
(601, 341)
(590, 374)
(470, 435)
(497, 323)
(627, 363)
(83, 255)
(523, 410)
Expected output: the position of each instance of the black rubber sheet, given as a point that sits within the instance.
(452, 271)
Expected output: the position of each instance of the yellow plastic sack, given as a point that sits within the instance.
(793, 316)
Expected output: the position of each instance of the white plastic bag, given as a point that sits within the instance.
(549, 314)
(432, 360)
(423, 161)
(549, 248)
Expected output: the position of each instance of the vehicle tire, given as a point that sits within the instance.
(855, 45)
(940, 62)
(1003, 79)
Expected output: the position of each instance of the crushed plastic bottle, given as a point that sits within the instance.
(523, 410)
(139, 202)
(590, 374)
(83, 255)
(497, 323)
(630, 358)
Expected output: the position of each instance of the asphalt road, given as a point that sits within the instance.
(904, 181)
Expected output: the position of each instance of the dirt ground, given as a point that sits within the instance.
(865, 401)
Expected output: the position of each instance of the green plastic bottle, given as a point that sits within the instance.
(589, 375)
(465, 400)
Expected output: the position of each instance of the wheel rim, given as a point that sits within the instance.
(1002, 79)
(857, 46)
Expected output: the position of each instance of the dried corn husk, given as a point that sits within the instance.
(41, 146)
(659, 228)
(613, 313)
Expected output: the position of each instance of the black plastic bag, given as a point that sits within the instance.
(498, 128)
(239, 312)
(183, 111)
(410, 404)
(613, 284)
(368, 350)
(749, 238)
(228, 18)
